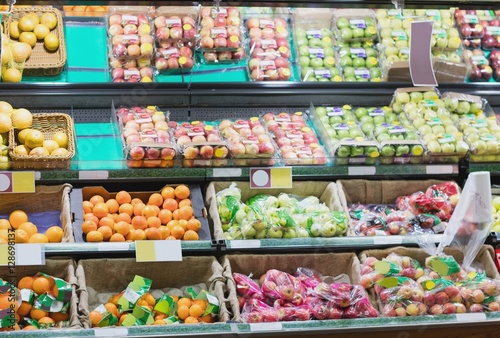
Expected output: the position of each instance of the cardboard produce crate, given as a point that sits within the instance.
(45, 198)
(327, 264)
(96, 286)
(58, 267)
(325, 191)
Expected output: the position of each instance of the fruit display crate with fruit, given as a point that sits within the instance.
(40, 217)
(174, 212)
(42, 30)
(154, 293)
(43, 297)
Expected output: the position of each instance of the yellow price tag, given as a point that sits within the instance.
(158, 251)
(17, 182)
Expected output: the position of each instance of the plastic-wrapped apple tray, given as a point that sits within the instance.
(178, 12)
(84, 194)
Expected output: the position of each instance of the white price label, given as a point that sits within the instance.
(471, 317)
(361, 171)
(256, 327)
(93, 174)
(226, 172)
(111, 332)
(387, 240)
(244, 243)
(30, 254)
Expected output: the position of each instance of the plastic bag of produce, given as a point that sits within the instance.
(281, 285)
(256, 311)
(309, 278)
(229, 202)
(246, 287)
(480, 293)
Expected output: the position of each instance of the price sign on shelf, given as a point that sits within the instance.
(158, 251)
(23, 254)
(421, 70)
(17, 182)
(276, 178)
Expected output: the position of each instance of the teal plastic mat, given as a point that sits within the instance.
(86, 46)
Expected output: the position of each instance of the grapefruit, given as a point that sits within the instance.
(61, 138)
(5, 123)
(5, 108)
(49, 20)
(11, 75)
(22, 118)
(34, 139)
(51, 42)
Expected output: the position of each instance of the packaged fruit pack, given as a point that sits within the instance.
(39, 297)
(174, 212)
(343, 135)
(221, 35)
(129, 33)
(469, 24)
(174, 58)
(352, 25)
(249, 142)
(359, 62)
(494, 59)
(477, 121)
(153, 293)
(265, 215)
(133, 70)
(269, 48)
(481, 70)
(201, 144)
(175, 24)
(146, 136)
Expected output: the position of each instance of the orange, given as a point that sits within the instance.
(123, 197)
(136, 201)
(164, 231)
(30, 328)
(25, 283)
(202, 303)
(142, 302)
(191, 235)
(94, 236)
(46, 321)
(112, 205)
(5, 224)
(170, 204)
(138, 235)
(184, 301)
(172, 223)
(21, 236)
(87, 206)
(191, 320)
(155, 199)
(126, 208)
(160, 316)
(54, 234)
(111, 308)
(175, 214)
(149, 299)
(177, 231)
(29, 227)
(37, 314)
(182, 192)
(139, 222)
(138, 209)
(114, 217)
(4, 234)
(3, 241)
(122, 228)
(117, 238)
(88, 226)
(38, 238)
(195, 310)
(186, 212)
(185, 203)
(165, 216)
(96, 199)
(5, 303)
(106, 232)
(95, 318)
(183, 223)
(153, 222)
(91, 217)
(194, 224)
(100, 210)
(149, 211)
(17, 217)
(152, 234)
(54, 291)
(58, 316)
(41, 285)
(123, 317)
(125, 217)
(171, 238)
(207, 318)
(167, 192)
(114, 299)
(106, 221)
(183, 312)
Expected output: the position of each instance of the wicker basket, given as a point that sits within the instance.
(42, 62)
(48, 124)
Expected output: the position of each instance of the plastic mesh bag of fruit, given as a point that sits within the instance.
(229, 202)
(401, 296)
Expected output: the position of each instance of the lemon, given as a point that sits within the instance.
(34, 139)
(50, 145)
(21, 118)
(49, 20)
(59, 152)
(5, 123)
(61, 139)
(27, 23)
(39, 151)
(5, 108)
(22, 150)
(35, 17)
(51, 42)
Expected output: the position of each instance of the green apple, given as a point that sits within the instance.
(300, 32)
(304, 61)
(345, 61)
(344, 151)
(342, 23)
(434, 147)
(346, 33)
(388, 151)
(360, 112)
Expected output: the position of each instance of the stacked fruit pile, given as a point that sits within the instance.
(165, 215)
(20, 119)
(195, 305)
(280, 296)
(40, 302)
(25, 231)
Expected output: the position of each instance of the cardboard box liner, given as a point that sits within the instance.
(377, 192)
(328, 264)
(101, 278)
(39, 203)
(80, 195)
(325, 191)
(59, 267)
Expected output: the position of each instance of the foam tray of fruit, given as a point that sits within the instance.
(129, 33)
(343, 136)
(296, 138)
(477, 121)
(201, 144)
(176, 58)
(174, 24)
(352, 25)
(174, 212)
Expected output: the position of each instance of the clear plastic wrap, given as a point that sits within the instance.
(174, 58)
(175, 24)
(351, 25)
